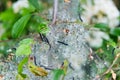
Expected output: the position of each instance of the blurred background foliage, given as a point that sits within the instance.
(10, 12)
(102, 15)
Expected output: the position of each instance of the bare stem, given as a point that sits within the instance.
(108, 70)
(55, 8)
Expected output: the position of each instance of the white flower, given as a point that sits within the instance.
(106, 7)
(96, 39)
(17, 6)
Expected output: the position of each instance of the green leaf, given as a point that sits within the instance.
(112, 43)
(36, 4)
(19, 26)
(115, 31)
(43, 28)
(57, 74)
(27, 41)
(65, 66)
(20, 75)
(5, 17)
(20, 66)
(102, 26)
(24, 47)
(23, 50)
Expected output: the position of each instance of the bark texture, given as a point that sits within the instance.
(68, 41)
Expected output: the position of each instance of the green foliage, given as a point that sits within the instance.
(65, 66)
(117, 50)
(5, 17)
(112, 43)
(15, 29)
(118, 74)
(29, 10)
(115, 31)
(36, 4)
(23, 50)
(83, 1)
(38, 24)
(21, 64)
(42, 28)
(20, 75)
(112, 32)
(27, 41)
(57, 74)
(24, 47)
(105, 53)
(102, 26)
(107, 76)
(7, 22)
(20, 25)
(109, 50)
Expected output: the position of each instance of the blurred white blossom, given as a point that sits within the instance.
(96, 38)
(17, 6)
(104, 9)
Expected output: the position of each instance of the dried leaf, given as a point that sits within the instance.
(67, 1)
(36, 70)
(1, 77)
(113, 75)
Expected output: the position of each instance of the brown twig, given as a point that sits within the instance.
(108, 70)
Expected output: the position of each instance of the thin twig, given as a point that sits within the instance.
(55, 9)
(108, 70)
